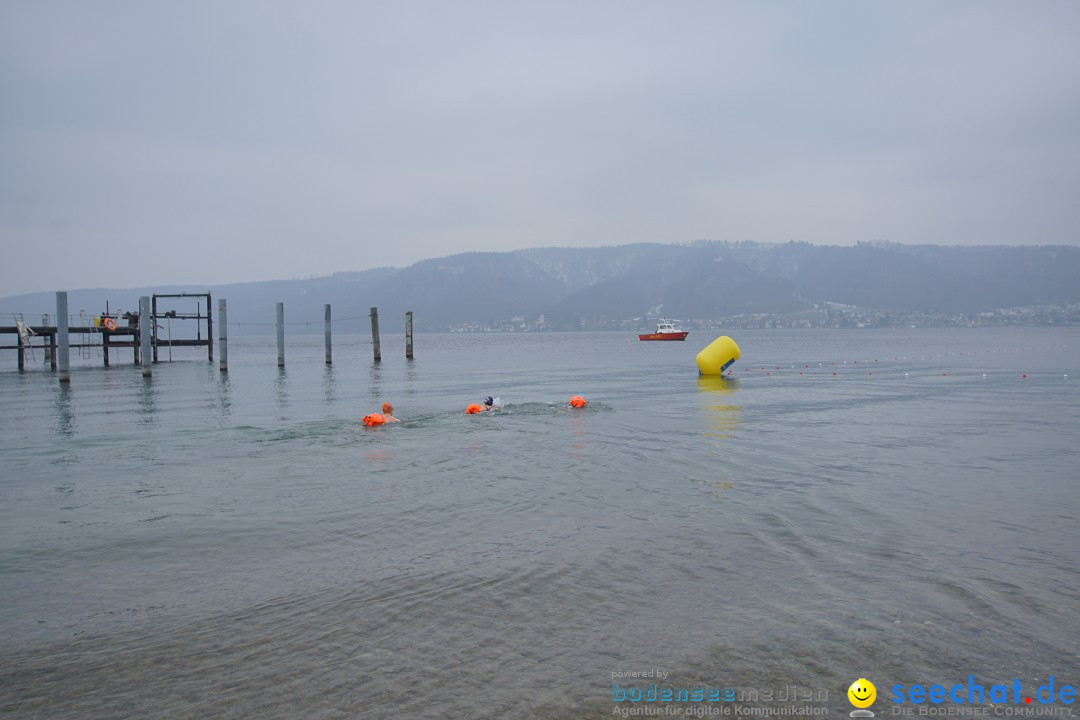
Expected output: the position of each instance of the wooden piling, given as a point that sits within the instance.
(326, 331)
(375, 334)
(63, 347)
(223, 340)
(281, 334)
(146, 321)
(408, 335)
(50, 349)
(209, 330)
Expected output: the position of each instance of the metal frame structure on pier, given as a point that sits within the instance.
(198, 317)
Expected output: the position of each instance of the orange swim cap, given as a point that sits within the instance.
(374, 419)
(578, 401)
(388, 408)
(473, 409)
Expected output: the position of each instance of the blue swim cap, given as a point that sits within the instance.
(490, 401)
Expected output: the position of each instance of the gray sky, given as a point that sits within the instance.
(152, 143)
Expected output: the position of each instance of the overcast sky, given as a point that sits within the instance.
(151, 143)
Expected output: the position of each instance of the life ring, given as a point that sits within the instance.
(110, 324)
(473, 409)
(374, 419)
(578, 402)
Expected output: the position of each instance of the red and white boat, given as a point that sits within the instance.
(665, 330)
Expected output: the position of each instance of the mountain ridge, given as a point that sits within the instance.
(704, 282)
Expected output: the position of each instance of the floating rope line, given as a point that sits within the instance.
(299, 322)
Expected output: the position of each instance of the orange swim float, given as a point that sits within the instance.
(374, 419)
(578, 402)
(473, 409)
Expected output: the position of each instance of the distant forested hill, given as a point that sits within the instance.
(575, 287)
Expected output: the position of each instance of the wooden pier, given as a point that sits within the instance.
(55, 340)
(115, 331)
(121, 337)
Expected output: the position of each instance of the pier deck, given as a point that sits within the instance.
(124, 336)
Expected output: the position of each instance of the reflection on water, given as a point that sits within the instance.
(65, 413)
(281, 388)
(581, 439)
(224, 395)
(721, 416)
(329, 384)
(147, 400)
(410, 377)
(375, 381)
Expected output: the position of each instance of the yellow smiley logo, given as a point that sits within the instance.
(862, 693)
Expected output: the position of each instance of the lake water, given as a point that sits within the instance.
(209, 545)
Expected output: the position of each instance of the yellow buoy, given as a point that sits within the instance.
(717, 356)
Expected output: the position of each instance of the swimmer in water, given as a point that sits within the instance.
(388, 413)
(489, 404)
